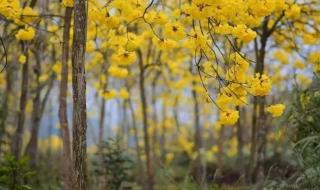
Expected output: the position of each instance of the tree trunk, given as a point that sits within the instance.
(240, 139)
(258, 115)
(4, 107)
(18, 136)
(155, 141)
(79, 94)
(149, 180)
(136, 139)
(163, 133)
(102, 118)
(200, 171)
(103, 102)
(63, 116)
(32, 146)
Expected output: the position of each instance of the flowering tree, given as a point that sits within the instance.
(159, 59)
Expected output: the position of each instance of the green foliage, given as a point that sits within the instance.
(15, 174)
(112, 165)
(48, 175)
(305, 120)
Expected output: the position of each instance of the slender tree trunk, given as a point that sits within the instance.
(4, 107)
(200, 170)
(103, 103)
(125, 125)
(18, 136)
(32, 146)
(102, 119)
(136, 139)
(149, 165)
(163, 133)
(258, 115)
(79, 95)
(155, 141)
(240, 140)
(176, 113)
(63, 116)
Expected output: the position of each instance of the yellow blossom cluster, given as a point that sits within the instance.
(22, 59)
(21, 16)
(314, 58)
(26, 34)
(67, 3)
(260, 85)
(229, 117)
(276, 110)
(118, 72)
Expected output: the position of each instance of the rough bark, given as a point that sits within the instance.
(143, 98)
(63, 116)
(79, 95)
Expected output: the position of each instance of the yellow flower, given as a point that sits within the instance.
(25, 34)
(123, 93)
(244, 33)
(124, 58)
(240, 61)
(67, 3)
(174, 31)
(90, 46)
(164, 44)
(29, 15)
(134, 42)
(22, 59)
(43, 78)
(281, 56)
(198, 10)
(229, 117)
(309, 39)
(118, 72)
(303, 80)
(53, 28)
(109, 94)
(214, 149)
(57, 67)
(276, 110)
(293, 12)
(260, 85)
(223, 100)
(53, 142)
(169, 157)
(2, 79)
(223, 29)
(299, 65)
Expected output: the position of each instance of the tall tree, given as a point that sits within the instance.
(38, 107)
(149, 166)
(18, 135)
(79, 143)
(63, 116)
